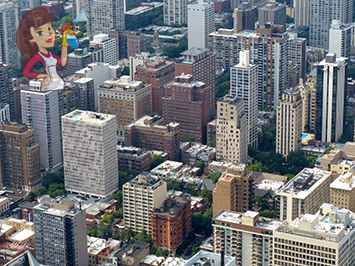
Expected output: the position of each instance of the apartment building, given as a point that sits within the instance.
(324, 238)
(233, 191)
(20, 166)
(296, 52)
(175, 12)
(4, 112)
(244, 84)
(342, 191)
(244, 17)
(128, 43)
(156, 71)
(141, 196)
(232, 130)
(127, 100)
(185, 98)
(289, 121)
(245, 236)
(133, 158)
(109, 47)
(60, 233)
(89, 153)
(305, 193)
(41, 111)
(6, 89)
(308, 95)
(77, 60)
(171, 223)
(341, 43)
(144, 133)
(274, 13)
(200, 63)
(301, 13)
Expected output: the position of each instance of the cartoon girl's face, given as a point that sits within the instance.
(43, 36)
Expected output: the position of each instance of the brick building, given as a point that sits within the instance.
(202, 65)
(54, 7)
(27, 211)
(20, 157)
(127, 100)
(144, 133)
(211, 131)
(156, 71)
(128, 43)
(171, 223)
(186, 102)
(133, 158)
(244, 17)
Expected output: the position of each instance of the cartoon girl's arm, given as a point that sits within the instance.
(63, 57)
(33, 61)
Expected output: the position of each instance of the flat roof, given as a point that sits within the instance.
(22, 235)
(88, 116)
(344, 182)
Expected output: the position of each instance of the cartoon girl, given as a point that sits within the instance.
(33, 37)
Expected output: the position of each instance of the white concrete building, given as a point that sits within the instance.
(340, 36)
(10, 18)
(330, 94)
(90, 153)
(175, 11)
(4, 112)
(207, 258)
(42, 112)
(305, 193)
(109, 47)
(135, 60)
(200, 23)
(301, 13)
(244, 84)
(140, 196)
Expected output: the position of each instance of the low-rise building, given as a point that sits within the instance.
(4, 205)
(133, 253)
(198, 153)
(27, 211)
(209, 258)
(10, 250)
(342, 191)
(98, 209)
(133, 158)
(167, 169)
(101, 250)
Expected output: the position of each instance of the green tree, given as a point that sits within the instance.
(173, 184)
(269, 214)
(351, 72)
(211, 143)
(92, 232)
(187, 138)
(143, 236)
(125, 71)
(128, 234)
(222, 89)
(119, 213)
(150, 49)
(206, 195)
(104, 230)
(106, 218)
(31, 196)
(289, 19)
(155, 161)
(125, 175)
(214, 176)
(41, 191)
(268, 141)
(84, 44)
(200, 165)
(119, 197)
(196, 247)
(262, 202)
(256, 166)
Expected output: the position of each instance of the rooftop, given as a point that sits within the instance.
(209, 258)
(89, 117)
(230, 99)
(133, 249)
(22, 235)
(95, 244)
(172, 206)
(165, 167)
(194, 51)
(145, 179)
(142, 122)
(344, 182)
(304, 183)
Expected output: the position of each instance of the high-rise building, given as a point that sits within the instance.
(244, 17)
(29, 4)
(308, 94)
(41, 111)
(185, 98)
(322, 13)
(90, 153)
(289, 122)
(156, 71)
(109, 48)
(127, 100)
(60, 233)
(104, 16)
(305, 193)
(268, 50)
(128, 43)
(175, 12)
(342, 191)
(233, 191)
(301, 13)
(10, 18)
(200, 23)
(4, 112)
(174, 213)
(20, 166)
(296, 53)
(319, 239)
(340, 36)
(136, 60)
(244, 84)
(274, 13)
(6, 89)
(143, 133)
(141, 196)
(200, 63)
(251, 237)
(330, 98)
(132, 3)
(77, 60)
(232, 130)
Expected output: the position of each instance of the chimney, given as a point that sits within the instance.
(222, 258)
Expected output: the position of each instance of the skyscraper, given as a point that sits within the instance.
(330, 98)
(60, 233)
(322, 13)
(232, 130)
(42, 112)
(289, 122)
(200, 23)
(90, 153)
(301, 13)
(183, 99)
(200, 63)
(244, 84)
(10, 18)
(19, 161)
(109, 47)
(274, 13)
(175, 11)
(296, 53)
(104, 16)
(6, 89)
(340, 34)
(244, 17)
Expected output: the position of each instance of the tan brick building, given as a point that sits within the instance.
(127, 100)
(233, 190)
(342, 191)
(20, 158)
(308, 94)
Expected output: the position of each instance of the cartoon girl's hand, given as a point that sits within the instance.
(64, 41)
(46, 80)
